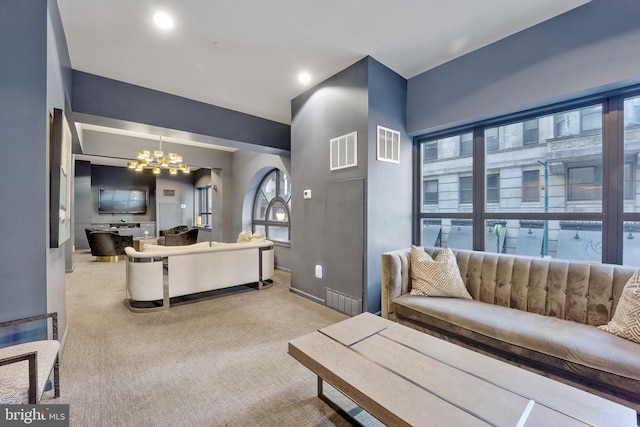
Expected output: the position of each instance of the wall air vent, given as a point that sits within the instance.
(169, 193)
(344, 151)
(388, 145)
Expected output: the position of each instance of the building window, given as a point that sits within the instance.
(466, 189)
(628, 180)
(466, 144)
(530, 132)
(203, 206)
(561, 125)
(430, 192)
(493, 188)
(632, 112)
(430, 150)
(491, 139)
(584, 183)
(272, 206)
(531, 186)
(591, 118)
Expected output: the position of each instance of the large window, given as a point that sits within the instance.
(544, 177)
(439, 177)
(272, 207)
(203, 206)
(631, 147)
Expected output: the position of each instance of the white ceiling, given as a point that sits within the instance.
(245, 54)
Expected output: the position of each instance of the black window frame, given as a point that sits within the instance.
(612, 214)
(204, 200)
(273, 203)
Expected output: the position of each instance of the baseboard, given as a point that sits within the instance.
(306, 295)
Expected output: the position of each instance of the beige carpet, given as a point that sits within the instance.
(219, 362)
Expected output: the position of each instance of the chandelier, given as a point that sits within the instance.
(156, 161)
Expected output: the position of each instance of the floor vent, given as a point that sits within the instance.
(343, 303)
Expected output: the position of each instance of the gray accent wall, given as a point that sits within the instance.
(584, 51)
(34, 78)
(389, 185)
(333, 108)
(329, 229)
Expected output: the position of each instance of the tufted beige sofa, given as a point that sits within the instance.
(540, 314)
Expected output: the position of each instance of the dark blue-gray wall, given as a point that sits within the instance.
(34, 79)
(586, 50)
(99, 96)
(333, 108)
(357, 213)
(389, 189)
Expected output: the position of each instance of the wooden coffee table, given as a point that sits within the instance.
(404, 377)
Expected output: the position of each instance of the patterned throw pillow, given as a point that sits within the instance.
(244, 237)
(258, 237)
(436, 278)
(625, 322)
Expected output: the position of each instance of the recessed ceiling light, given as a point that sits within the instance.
(304, 77)
(163, 20)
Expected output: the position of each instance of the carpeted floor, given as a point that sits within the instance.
(219, 362)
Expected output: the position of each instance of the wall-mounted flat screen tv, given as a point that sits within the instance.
(122, 201)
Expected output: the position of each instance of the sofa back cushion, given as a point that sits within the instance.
(579, 291)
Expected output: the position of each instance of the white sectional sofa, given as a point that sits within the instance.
(159, 273)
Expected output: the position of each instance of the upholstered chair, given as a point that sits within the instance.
(174, 230)
(188, 237)
(108, 246)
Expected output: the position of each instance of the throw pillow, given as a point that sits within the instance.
(244, 237)
(436, 278)
(258, 237)
(625, 322)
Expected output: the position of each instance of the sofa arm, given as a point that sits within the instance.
(395, 278)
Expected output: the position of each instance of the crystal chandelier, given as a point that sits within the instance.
(156, 161)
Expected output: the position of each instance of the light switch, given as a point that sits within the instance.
(306, 194)
(318, 271)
